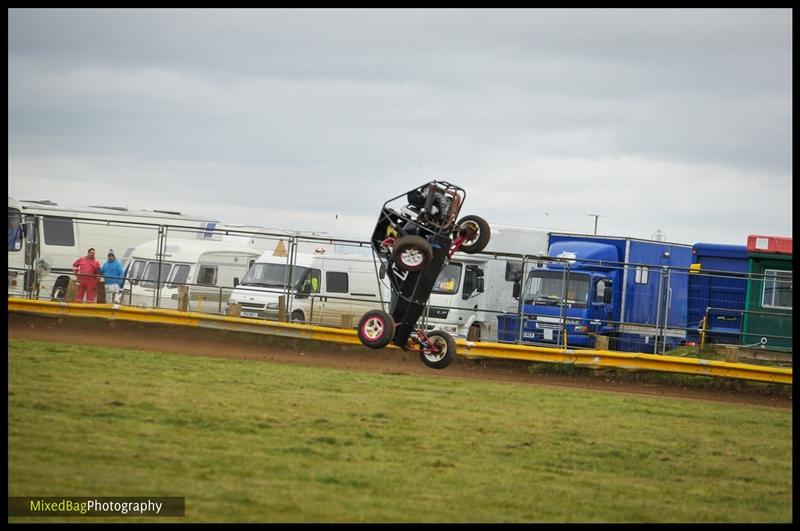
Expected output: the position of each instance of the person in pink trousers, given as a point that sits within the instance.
(86, 267)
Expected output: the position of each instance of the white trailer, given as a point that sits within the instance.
(325, 289)
(45, 238)
(473, 289)
(210, 270)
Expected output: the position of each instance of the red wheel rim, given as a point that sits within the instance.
(373, 329)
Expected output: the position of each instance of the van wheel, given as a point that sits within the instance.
(297, 317)
(376, 329)
(412, 253)
(443, 353)
(60, 290)
(476, 231)
(474, 333)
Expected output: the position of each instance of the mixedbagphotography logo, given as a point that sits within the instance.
(96, 506)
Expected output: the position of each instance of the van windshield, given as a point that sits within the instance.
(546, 287)
(448, 280)
(273, 275)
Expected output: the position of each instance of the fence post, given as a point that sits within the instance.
(290, 261)
(520, 305)
(159, 259)
(658, 311)
(347, 320)
(703, 327)
(562, 314)
(183, 298)
(667, 304)
(69, 295)
(282, 308)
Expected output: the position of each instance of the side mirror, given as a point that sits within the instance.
(382, 271)
(607, 294)
(480, 287)
(235, 281)
(517, 289)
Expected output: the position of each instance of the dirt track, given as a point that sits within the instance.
(200, 342)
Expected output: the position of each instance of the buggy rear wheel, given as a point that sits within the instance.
(444, 350)
(412, 253)
(476, 231)
(376, 329)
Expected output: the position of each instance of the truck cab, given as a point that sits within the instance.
(582, 291)
(457, 296)
(472, 288)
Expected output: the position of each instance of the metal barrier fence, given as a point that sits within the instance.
(511, 298)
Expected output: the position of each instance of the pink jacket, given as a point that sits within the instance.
(86, 266)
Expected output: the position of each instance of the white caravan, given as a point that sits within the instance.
(473, 289)
(326, 289)
(49, 237)
(210, 269)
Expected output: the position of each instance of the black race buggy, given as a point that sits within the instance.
(416, 234)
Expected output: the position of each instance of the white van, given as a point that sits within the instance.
(210, 269)
(325, 289)
(473, 289)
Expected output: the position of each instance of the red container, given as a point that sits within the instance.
(769, 244)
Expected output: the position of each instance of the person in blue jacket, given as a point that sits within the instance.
(113, 277)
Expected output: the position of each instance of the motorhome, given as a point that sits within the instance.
(473, 289)
(209, 269)
(318, 288)
(45, 238)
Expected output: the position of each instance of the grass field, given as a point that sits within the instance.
(256, 441)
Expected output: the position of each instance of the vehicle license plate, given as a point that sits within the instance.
(249, 314)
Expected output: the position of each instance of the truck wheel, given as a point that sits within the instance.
(376, 329)
(477, 233)
(444, 353)
(474, 332)
(412, 253)
(297, 317)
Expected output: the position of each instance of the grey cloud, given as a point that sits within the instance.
(236, 109)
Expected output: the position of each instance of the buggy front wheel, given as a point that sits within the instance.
(476, 232)
(376, 329)
(443, 352)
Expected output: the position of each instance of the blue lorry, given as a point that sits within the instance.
(584, 283)
(717, 289)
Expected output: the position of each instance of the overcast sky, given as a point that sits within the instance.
(676, 120)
